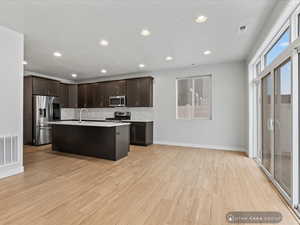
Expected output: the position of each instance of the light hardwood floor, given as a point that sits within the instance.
(155, 185)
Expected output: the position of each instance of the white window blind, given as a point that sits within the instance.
(194, 98)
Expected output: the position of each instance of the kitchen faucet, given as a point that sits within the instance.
(80, 114)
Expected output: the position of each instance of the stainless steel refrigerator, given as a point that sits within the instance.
(45, 109)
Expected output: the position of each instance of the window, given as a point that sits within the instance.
(194, 98)
(282, 43)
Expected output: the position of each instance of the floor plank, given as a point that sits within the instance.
(156, 185)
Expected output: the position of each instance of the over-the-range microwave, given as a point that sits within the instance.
(117, 101)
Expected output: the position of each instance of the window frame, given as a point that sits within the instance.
(286, 28)
(210, 117)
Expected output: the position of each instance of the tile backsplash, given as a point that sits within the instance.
(102, 113)
(68, 114)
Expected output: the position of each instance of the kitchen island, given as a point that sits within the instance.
(107, 140)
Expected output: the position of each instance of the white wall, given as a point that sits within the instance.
(11, 92)
(227, 130)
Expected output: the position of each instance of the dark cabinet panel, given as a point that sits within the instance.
(42, 86)
(101, 96)
(116, 88)
(64, 95)
(73, 95)
(92, 90)
(141, 133)
(140, 92)
(38, 86)
(82, 95)
(53, 88)
(87, 95)
(68, 95)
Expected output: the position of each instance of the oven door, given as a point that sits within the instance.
(117, 101)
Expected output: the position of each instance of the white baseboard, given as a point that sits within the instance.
(10, 170)
(213, 147)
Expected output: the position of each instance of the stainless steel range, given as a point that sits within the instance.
(120, 116)
(45, 109)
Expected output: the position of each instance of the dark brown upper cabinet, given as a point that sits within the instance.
(68, 95)
(64, 95)
(92, 94)
(42, 86)
(73, 95)
(101, 96)
(140, 92)
(83, 95)
(87, 95)
(116, 88)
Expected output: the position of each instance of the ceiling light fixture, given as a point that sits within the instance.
(207, 52)
(74, 75)
(25, 62)
(169, 58)
(243, 28)
(201, 19)
(57, 54)
(104, 43)
(103, 71)
(145, 32)
(141, 65)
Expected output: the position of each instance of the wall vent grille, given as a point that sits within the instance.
(8, 150)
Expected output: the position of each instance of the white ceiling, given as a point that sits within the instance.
(74, 28)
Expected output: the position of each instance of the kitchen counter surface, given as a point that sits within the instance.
(113, 121)
(141, 121)
(126, 121)
(89, 123)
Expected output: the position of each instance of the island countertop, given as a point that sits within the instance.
(89, 123)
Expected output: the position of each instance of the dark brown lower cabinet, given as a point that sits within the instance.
(103, 142)
(141, 133)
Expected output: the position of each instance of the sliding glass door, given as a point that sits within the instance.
(267, 121)
(277, 125)
(283, 126)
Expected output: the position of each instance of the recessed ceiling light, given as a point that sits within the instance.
(207, 52)
(57, 54)
(141, 65)
(145, 32)
(243, 28)
(201, 19)
(169, 58)
(25, 62)
(74, 75)
(103, 71)
(104, 43)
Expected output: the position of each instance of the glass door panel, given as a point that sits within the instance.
(283, 126)
(267, 121)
